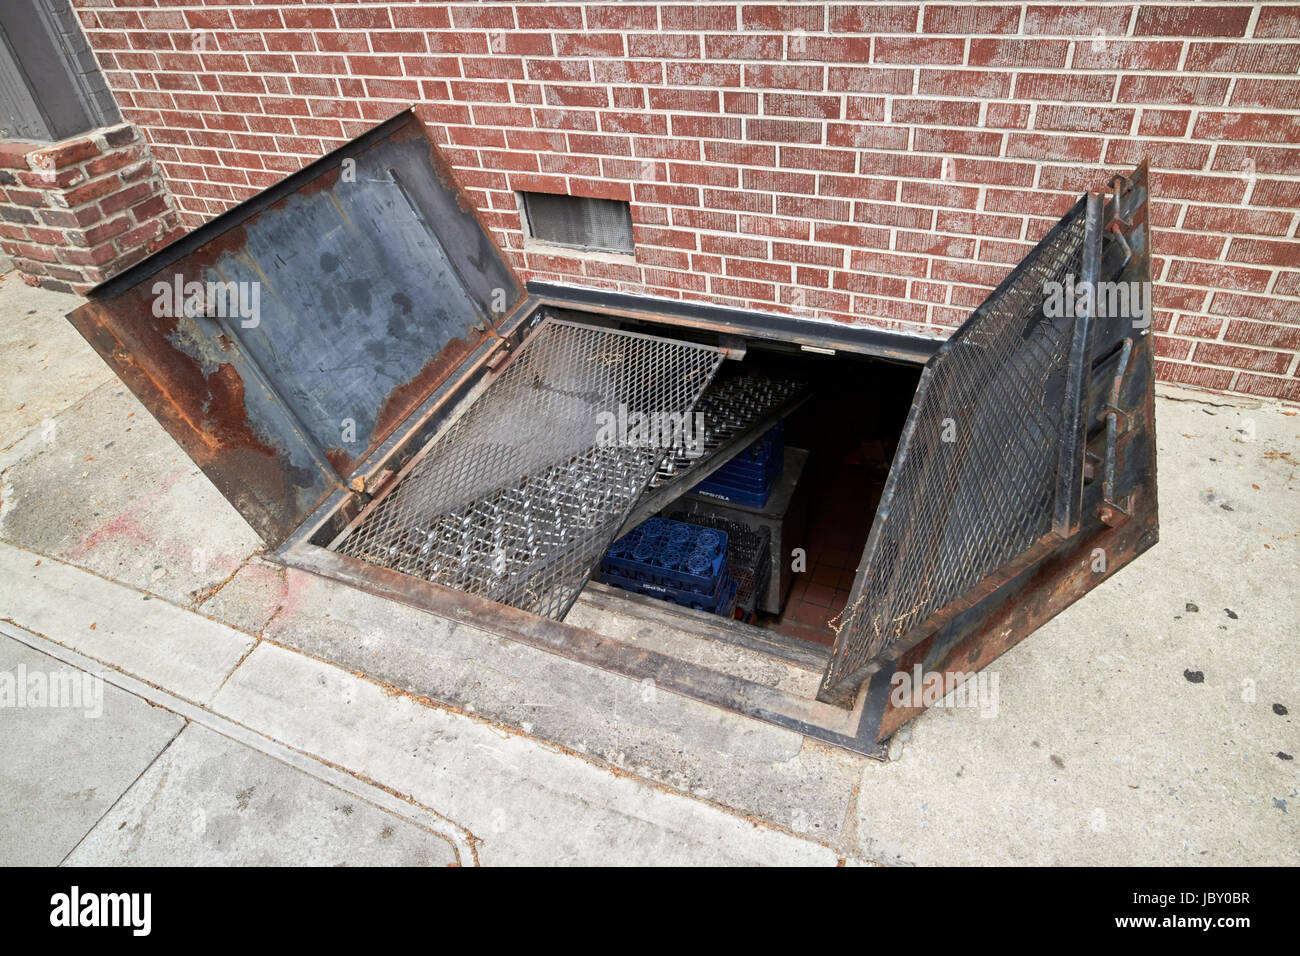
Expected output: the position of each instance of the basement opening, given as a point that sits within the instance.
(800, 499)
(793, 448)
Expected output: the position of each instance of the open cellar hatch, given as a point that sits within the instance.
(570, 468)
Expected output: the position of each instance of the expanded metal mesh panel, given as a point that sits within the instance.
(731, 405)
(974, 483)
(518, 499)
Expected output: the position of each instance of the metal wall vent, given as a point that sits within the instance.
(579, 222)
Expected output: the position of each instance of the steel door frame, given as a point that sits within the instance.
(1023, 599)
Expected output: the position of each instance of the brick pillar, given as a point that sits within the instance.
(76, 212)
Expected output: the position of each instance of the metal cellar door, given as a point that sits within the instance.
(520, 496)
(281, 343)
(1028, 444)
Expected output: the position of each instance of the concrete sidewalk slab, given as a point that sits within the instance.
(535, 803)
(149, 638)
(210, 801)
(48, 366)
(754, 767)
(87, 474)
(61, 768)
(333, 777)
(528, 804)
(256, 593)
(1139, 725)
(106, 488)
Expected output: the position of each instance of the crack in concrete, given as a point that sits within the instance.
(200, 596)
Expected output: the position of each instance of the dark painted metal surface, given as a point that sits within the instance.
(1055, 569)
(372, 281)
(862, 339)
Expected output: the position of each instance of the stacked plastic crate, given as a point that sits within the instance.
(748, 478)
(749, 559)
(674, 561)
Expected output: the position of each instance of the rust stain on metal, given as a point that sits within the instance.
(1055, 586)
(204, 411)
(407, 398)
(340, 459)
(210, 406)
(225, 422)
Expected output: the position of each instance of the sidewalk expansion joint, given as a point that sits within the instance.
(384, 798)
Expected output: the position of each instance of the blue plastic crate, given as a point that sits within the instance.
(750, 471)
(722, 601)
(737, 496)
(752, 475)
(748, 478)
(669, 554)
(768, 445)
(761, 454)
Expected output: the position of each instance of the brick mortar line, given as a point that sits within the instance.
(1063, 162)
(949, 285)
(926, 256)
(1075, 40)
(1117, 73)
(1188, 43)
(795, 170)
(1025, 245)
(917, 30)
(957, 184)
(1194, 111)
(81, 184)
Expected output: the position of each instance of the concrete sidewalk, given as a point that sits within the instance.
(251, 714)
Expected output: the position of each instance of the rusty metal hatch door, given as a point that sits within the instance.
(283, 341)
(989, 478)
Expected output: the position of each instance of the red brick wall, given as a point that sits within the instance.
(75, 212)
(859, 162)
